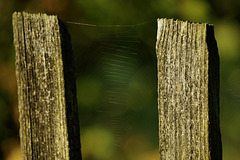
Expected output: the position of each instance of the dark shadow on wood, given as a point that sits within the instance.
(70, 94)
(213, 89)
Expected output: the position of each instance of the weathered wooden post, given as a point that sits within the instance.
(188, 91)
(48, 113)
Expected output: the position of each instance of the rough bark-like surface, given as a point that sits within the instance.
(48, 112)
(188, 91)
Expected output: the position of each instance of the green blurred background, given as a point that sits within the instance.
(116, 72)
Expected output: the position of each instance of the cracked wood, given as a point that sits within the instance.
(188, 91)
(48, 112)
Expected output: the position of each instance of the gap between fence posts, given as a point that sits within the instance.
(48, 112)
(188, 91)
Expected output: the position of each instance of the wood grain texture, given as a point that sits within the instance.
(48, 112)
(188, 91)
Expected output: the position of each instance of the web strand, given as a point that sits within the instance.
(110, 25)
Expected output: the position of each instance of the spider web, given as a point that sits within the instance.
(125, 66)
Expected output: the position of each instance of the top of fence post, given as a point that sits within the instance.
(48, 112)
(188, 91)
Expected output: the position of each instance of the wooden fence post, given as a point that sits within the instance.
(188, 91)
(48, 112)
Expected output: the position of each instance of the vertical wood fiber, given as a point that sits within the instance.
(188, 91)
(48, 113)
